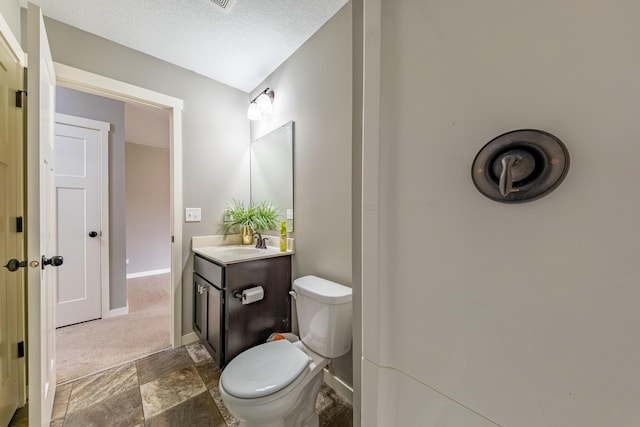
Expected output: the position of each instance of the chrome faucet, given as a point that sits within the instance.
(261, 242)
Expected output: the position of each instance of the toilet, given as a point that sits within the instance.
(276, 384)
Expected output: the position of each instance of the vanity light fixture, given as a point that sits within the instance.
(261, 104)
(254, 112)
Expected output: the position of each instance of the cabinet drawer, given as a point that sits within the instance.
(208, 270)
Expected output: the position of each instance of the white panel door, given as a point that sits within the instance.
(42, 242)
(11, 188)
(78, 163)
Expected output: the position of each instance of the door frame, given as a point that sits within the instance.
(85, 81)
(103, 128)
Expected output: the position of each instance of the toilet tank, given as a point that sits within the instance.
(324, 311)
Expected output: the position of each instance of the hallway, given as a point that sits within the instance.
(86, 348)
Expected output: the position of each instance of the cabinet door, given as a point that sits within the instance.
(251, 324)
(214, 323)
(199, 306)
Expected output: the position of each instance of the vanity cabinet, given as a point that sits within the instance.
(225, 325)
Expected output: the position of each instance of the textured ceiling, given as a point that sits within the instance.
(239, 46)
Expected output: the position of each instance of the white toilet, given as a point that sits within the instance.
(276, 384)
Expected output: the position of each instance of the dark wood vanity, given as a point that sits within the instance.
(226, 326)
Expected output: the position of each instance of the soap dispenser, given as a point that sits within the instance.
(283, 236)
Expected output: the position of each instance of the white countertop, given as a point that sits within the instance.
(215, 249)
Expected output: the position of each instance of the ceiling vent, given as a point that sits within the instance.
(225, 4)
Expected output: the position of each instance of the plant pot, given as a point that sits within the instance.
(247, 235)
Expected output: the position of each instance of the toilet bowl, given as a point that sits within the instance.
(276, 384)
(291, 405)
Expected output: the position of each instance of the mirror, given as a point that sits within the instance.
(272, 171)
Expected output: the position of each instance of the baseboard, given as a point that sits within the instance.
(340, 387)
(148, 273)
(118, 311)
(189, 338)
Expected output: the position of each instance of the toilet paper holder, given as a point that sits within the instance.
(246, 295)
(238, 294)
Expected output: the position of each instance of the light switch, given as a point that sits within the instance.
(192, 215)
(289, 213)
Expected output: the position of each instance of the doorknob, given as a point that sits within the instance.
(14, 264)
(93, 234)
(54, 261)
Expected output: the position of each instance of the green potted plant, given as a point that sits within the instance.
(245, 220)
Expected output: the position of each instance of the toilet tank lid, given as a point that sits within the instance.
(322, 290)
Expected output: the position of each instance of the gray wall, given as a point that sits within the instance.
(10, 11)
(215, 130)
(148, 208)
(525, 314)
(313, 88)
(94, 107)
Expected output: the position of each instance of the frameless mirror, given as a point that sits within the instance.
(272, 171)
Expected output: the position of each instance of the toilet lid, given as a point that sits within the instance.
(264, 369)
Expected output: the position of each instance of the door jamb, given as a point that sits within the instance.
(85, 81)
(103, 128)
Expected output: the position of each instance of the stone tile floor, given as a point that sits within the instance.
(175, 387)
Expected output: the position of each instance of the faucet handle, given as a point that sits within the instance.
(264, 243)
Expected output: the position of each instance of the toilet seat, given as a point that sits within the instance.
(264, 370)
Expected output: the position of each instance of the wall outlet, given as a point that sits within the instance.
(289, 213)
(192, 215)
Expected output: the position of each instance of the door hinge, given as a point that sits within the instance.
(19, 224)
(19, 98)
(20, 349)
(172, 240)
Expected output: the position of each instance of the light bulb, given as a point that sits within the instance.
(264, 103)
(254, 112)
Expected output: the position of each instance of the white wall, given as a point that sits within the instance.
(313, 88)
(148, 208)
(357, 28)
(519, 315)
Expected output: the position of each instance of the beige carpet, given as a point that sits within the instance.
(93, 346)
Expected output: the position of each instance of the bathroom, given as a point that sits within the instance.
(473, 313)
(216, 136)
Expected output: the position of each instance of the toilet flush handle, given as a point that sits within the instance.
(293, 294)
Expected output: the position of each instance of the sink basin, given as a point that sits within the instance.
(242, 250)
